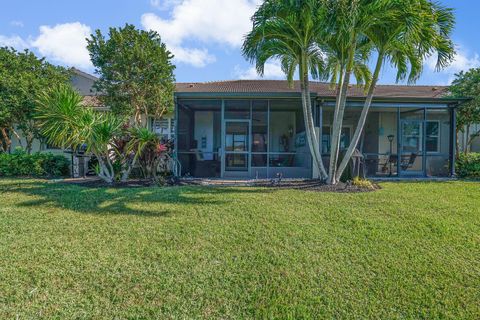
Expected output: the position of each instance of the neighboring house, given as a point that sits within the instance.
(255, 129)
(83, 83)
(463, 139)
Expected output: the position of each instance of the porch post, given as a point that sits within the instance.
(424, 142)
(175, 140)
(399, 151)
(453, 137)
(222, 152)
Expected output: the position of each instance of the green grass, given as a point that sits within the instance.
(408, 251)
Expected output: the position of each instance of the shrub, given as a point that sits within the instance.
(362, 183)
(21, 164)
(468, 165)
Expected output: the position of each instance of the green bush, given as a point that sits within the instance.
(468, 165)
(21, 164)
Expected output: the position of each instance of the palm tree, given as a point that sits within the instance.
(288, 30)
(349, 50)
(66, 122)
(408, 32)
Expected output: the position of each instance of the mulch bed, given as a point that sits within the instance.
(317, 185)
(308, 185)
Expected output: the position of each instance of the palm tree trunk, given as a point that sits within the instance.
(333, 141)
(338, 122)
(363, 118)
(312, 139)
(337, 127)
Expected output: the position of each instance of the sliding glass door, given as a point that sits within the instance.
(411, 147)
(237, 142)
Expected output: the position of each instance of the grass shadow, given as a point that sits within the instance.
(118, 201)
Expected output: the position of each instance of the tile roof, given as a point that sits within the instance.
(319, 88)
(92, 101)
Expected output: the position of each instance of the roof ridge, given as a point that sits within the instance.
(311, 81)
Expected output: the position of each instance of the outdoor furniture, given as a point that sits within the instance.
(389, 163)
(408, 161)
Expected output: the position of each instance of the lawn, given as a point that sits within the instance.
(408, 251)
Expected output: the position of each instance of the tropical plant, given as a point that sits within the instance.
(288, 31)
(22, 77)
(149, 150)
(136, 72)
(336, 39)
(403, 33)
(66, 122)
(467, 85)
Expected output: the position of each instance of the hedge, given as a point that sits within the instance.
(45, 165)
(468, 165)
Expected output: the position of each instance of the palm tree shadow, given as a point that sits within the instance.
(146, 202)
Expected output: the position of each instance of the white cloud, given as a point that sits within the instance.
(164, 4)
(205, 21)
(196, 57)
(13, 41)
(17, 23)
(272, 70)
(65, 44)
(463, 61)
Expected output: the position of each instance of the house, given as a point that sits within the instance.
(255, 129)
(465, 137)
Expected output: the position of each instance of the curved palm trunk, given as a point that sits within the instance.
(361, 120)
(338, 120)
(310, 126)
(337, 126)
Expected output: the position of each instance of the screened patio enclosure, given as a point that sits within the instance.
(265, 138)
(242, 139)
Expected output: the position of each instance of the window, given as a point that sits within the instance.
(433, 136)
(164, 127)
(326, 139)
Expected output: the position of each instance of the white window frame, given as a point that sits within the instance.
(170, 127)
(438, 135)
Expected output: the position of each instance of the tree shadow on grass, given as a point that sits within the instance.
(149, 202)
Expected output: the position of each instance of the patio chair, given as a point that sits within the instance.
(392, 159)
(407, 163)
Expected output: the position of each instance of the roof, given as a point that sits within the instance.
(92, 101)
(317, 88)
(83, 74)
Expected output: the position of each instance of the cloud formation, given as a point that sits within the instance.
(15, 42)
(463, 61)
(203, 21)
(272, 70)
(65, 44)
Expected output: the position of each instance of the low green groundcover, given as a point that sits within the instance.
(21, 164)
(406, 251)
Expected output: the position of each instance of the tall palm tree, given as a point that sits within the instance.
(349, 49)
(288, 30)
(408, 32)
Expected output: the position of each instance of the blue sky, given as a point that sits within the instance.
(205, 35)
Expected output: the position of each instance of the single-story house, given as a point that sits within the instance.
(255, 129)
